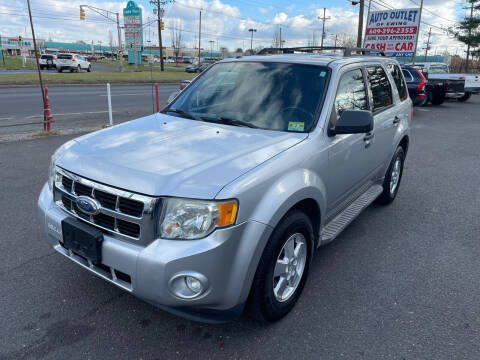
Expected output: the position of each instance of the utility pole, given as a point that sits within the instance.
(323, 19)
(38, 66)
(428, 44)
(200, 41)
(251, 40)
(360, 23)
(418, 32)
(160, 12)
(119, 50)
(280, 36)
(368, 17)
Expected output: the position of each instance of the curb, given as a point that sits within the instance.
(6, 86)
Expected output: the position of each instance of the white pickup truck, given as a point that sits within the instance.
(460, 86)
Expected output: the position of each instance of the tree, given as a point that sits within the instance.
(313, 41)
(176, 34)
(468, 29)
(277, 39)
(346, 40)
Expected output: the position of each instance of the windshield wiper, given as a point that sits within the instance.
(184, 114)
(229, 121)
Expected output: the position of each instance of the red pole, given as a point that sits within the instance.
(156, 98)
(47, 115)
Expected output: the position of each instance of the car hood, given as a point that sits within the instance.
(166, 155)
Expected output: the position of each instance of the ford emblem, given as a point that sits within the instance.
(88, 205)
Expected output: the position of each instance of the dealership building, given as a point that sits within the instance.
(11, 46)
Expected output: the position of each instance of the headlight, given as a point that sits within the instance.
(195, 219)
(52, 172)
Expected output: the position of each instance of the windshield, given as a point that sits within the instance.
(274, 96)
(438, 69)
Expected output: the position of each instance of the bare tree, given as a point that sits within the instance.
(177, 37)
(277, 40)
(346, 40)
(313, 41)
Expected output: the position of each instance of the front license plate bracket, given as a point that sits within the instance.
(82, 239)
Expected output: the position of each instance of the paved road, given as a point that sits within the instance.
(76, 107)
(402, 282)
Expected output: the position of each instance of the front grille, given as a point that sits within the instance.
(123, 213)
(130, 207)
(81, 189)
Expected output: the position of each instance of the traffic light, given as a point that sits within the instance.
(162, 25)
(82, 13)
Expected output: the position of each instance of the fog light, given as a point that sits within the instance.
(188, 285)
(193, 284)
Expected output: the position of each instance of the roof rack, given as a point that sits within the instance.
(347, 51)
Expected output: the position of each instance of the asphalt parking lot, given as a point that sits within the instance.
(401, 282)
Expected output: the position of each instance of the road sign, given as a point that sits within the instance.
(393, 31)
(132, 17)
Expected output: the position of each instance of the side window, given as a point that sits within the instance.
(399, 82)
(351, 93)
(408, 75)
(381, 89)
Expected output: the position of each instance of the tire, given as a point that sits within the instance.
(59, 70)
(89, 69)
(79, 69)
(71, 70)
(465, 97)
(263, 302)
(42, 67)
(437, 98)
(389, 191)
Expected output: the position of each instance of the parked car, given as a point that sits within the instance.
(169, 61)
(72, 62)
(435, 90)
(192, 68)
(221, 199)
(460, 86)
(48, 61)
(416, 83)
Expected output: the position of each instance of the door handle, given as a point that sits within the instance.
(396, 120)
(368, 139)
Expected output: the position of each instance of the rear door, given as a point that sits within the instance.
(386, 114)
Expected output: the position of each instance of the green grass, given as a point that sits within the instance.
(128, 77)
(12, 63)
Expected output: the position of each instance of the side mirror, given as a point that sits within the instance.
(353, 122)
(173, 96)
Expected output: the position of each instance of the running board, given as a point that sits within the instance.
(342, 220)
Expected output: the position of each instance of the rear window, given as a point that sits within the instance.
(399, 82)
(381, 89)
(64, 56)
(438, 69)
(408, 75)
(48, 57)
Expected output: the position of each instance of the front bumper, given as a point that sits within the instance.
(228, 258)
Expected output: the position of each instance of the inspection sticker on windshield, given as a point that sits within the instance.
(296, 126)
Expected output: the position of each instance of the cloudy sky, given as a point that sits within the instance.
(224, 21)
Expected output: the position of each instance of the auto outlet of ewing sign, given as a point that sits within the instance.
(393, 31)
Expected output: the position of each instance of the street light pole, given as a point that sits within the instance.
(251, 39)
(200, 40)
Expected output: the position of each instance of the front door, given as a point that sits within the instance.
(350, 156)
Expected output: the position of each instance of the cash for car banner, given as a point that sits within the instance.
(393, 31)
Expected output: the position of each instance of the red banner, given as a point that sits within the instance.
(393, 30)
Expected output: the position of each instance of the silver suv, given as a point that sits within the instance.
(221, 199)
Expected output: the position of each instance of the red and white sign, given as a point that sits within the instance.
(393, 31)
